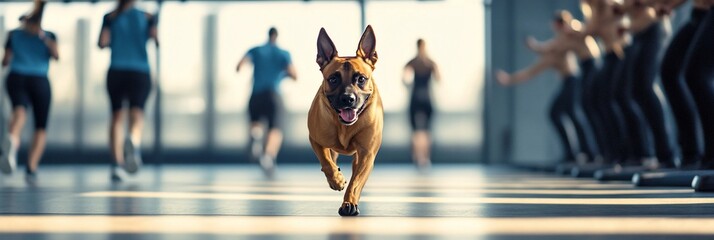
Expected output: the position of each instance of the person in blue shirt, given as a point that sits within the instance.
(271, 64)
(126, 30)
(28, 50)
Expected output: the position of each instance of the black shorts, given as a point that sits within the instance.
(420, 112)
(30, 92)
(127, 85)
(265, 106)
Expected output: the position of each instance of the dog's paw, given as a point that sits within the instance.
(348, 210)
(336, 180)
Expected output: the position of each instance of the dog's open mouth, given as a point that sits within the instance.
(348, 116)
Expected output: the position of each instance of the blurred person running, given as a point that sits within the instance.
(271, 64)
(126, 30)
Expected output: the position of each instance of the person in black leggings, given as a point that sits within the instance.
(27, 52)
(585, 127)
(648, 31)
(699, 74)
(638, 145)
(613, 113)
(606, 24)
(578, 40)
(579, 99)
(594, 86)
(588, 71)
(677, 91)
(422, 68)
(555, 54)
(698, 71)
(633, 90)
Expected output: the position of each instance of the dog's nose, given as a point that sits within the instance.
(348, 99)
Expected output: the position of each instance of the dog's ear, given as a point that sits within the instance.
(325, 49)
(367, 44)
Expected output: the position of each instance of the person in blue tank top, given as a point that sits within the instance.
(271, 65)
(126, 30)
(28, 50)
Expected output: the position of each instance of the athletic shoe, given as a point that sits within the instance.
(8, 155)
(651, 163)
(132, 157)
(30, 176)
(117, 174)
(255, 150)
(424, 166)
(267, 163)
(256, 145)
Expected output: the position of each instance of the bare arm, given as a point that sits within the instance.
(669, 4)
(8, 51)
(52, 47)
(592, 45)
(586, 9)
(104, 38)
(153, 29)
(537, 46)
(524, 74)
(436, 73)
(407, 74)
(291, 72)
(105, 34)
(153, 34)
(242, 62)
(7, 57)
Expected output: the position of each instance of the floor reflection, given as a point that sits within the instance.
(236, 202)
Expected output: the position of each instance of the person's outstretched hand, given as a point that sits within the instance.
(503, 78)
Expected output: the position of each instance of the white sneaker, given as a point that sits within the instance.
(132, 157)
(267, 163)
(8, 155)
(30, 177)
(256, 145)
(424, 166)
(256, 149)
(117, 174)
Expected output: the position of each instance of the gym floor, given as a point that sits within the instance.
(237, 202)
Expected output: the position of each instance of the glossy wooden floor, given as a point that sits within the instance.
(236, 202)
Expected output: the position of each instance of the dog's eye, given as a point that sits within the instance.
(332, 80)
(361, 80)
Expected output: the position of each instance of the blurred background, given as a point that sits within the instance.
(198, 112)
(516, 118)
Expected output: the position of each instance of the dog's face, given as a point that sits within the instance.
(347, 81)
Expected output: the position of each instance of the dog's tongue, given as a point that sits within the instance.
(348, 115)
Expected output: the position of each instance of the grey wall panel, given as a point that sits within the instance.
(498, 131)
(520, 126)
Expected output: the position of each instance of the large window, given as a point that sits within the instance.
(80, 108)
(245, 25)
(182, 74)
(453, 32)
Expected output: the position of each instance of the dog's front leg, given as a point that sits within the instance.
(328, 161)
(362, 165)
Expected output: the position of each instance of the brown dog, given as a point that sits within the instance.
(346, 116)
